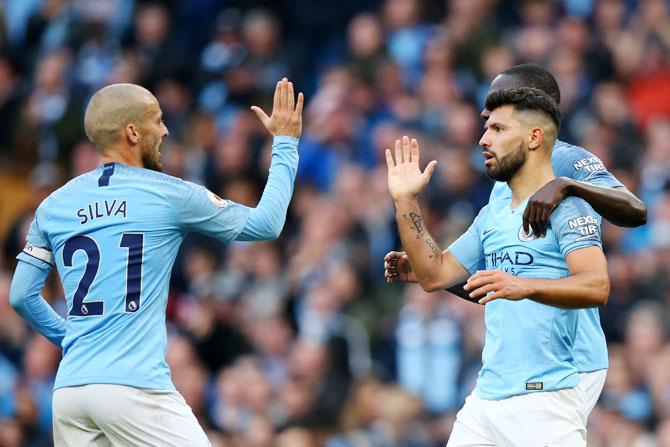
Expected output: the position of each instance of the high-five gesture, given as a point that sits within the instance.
(286, 118)
(405, 178)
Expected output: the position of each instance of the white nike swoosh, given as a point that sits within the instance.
(591, 174)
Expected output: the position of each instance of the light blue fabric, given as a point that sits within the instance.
(577, 163)
(114, 234)
(267, 219)
(25, 298)
(527, 343)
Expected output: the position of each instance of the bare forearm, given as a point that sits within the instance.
(423, 252)
(577, 291)
(617, 205)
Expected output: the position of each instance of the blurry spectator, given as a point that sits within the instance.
(294, 437)
(10, 433)
(266, 61)
(84, 158)
(10, 102)
(389, 420)
(159, 53)
(428, 352)
(39, 365)
(97, 56)
(54, 26)
(52, 111)
(408, 36)
(366, 44)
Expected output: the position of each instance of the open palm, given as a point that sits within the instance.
(405, 179)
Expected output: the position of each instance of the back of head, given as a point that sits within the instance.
(537, 77)
(536, 106)
(111, 109)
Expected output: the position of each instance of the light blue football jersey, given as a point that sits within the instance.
(529, 346)
(113, 234)
(577, 163)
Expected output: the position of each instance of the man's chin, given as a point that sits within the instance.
(496, 175)
(492, 173)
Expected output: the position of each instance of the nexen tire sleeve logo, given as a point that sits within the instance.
(586, 226)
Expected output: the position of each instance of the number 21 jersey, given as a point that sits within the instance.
(113, 234)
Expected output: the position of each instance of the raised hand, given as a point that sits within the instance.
(405, 179)
(397, 268)
(286, 118)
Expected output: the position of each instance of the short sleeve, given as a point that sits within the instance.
(576, 225)
(200, 210)
(468, 249)
(579, 164)
(37, 250)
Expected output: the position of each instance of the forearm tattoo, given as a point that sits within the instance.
(419, 226)
(417, 221)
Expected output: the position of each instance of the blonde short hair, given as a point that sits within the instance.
(111, 109)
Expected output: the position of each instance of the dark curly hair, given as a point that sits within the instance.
(536, 76)
(523, 99)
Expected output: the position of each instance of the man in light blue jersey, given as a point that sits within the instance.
(526, 393)
(113, 234)
(578, 173)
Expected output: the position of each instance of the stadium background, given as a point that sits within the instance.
(300, 342)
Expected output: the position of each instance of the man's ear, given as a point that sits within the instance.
(132, 134)
(535, 138)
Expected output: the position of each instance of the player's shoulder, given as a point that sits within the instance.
(128, 177)
(566, 151)
(73, 187)
(573, 207)
(144, 177)
(573, 156)
(579, 164)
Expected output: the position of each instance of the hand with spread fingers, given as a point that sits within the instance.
(405, 179)
(541, 205)
(286, 118)
(496, 284)
(397, 267)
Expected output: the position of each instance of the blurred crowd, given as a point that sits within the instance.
(300, 342)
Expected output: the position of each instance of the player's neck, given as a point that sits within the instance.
(528, 180)
(121, 155)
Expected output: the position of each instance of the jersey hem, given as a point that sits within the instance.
(523, 392)
(113, 381)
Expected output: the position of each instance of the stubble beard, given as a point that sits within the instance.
(151, 157)
(508, 165)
